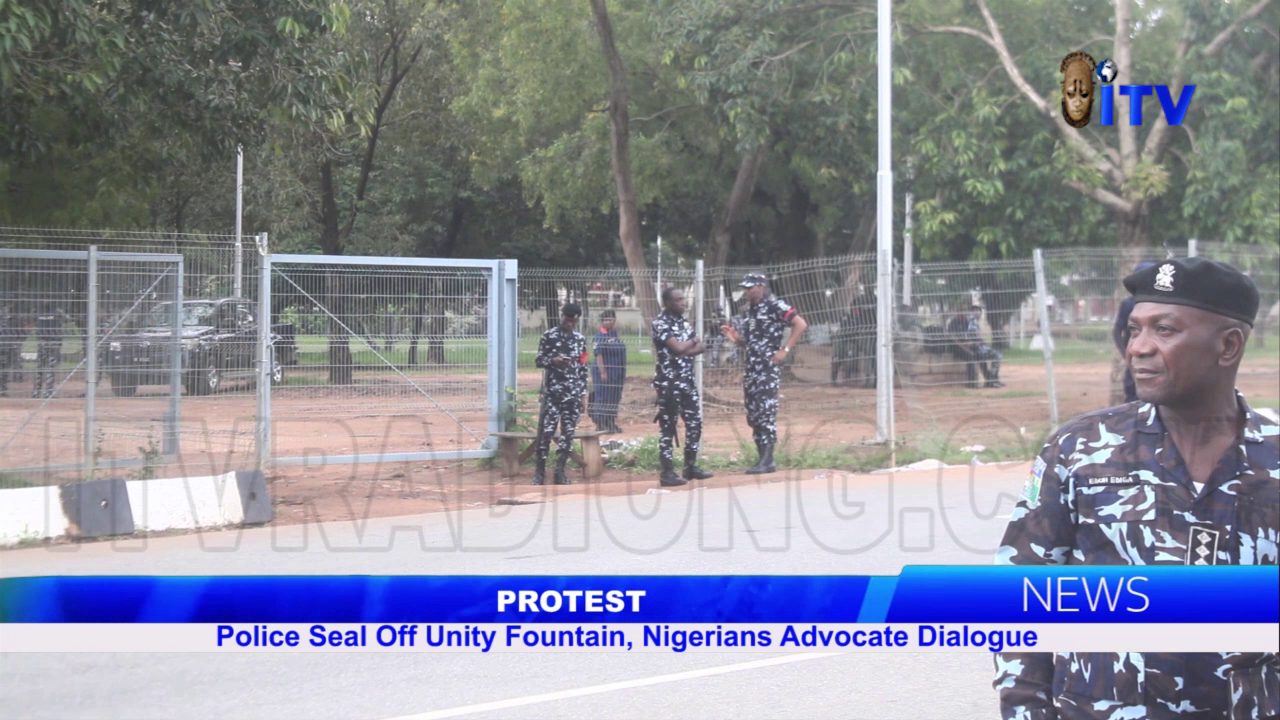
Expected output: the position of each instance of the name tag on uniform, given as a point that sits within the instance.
(1110, 480)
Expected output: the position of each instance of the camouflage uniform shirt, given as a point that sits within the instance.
(762, 330)
(671, 370)
(1110, 488)
(563, 382)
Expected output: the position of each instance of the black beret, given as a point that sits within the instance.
(1199, 283)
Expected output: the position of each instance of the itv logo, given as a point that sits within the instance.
(1083, 80)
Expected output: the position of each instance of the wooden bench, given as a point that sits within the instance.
(509, 450)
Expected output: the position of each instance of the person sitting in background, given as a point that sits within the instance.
(967, 345)
(608, 373)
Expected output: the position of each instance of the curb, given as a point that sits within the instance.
(114, 506)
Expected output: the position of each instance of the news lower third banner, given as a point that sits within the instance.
(987, 609)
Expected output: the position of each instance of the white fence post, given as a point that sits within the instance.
(700, 294)
(91, 365)
(1046, 339)
(265, 355)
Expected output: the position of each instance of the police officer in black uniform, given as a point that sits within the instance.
(48, 330)
(761, 332)
(674, 345)
(562, 353)
(10, 342)
(1186, 475)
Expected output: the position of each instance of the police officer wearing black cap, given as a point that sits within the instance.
(675, 344)
(562, 353)
(761, 333)
(1186, 475)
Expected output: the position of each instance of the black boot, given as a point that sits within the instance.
(669, 478)
(691, 469)
(540, 472)
(765, 465)
(561, 477)
(993, 379)
(759, 454)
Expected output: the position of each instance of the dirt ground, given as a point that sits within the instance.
(218, 432)
(814, 416)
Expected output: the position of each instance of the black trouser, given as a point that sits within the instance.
(980, 357)
(48, 355)
(8, 358)
(562, 412)
(674, 405)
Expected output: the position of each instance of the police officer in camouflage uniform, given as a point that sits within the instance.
(48, 331)
(1188, 474)
(10, 347)
(562, 352)
(761, 332)
(674, 345)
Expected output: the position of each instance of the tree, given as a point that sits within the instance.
(149, 95)
(385, 43)
(620, 160)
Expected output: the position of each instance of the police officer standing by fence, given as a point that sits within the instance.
(48, 330)
(1189, 475)
(761, 333)
(10, 347)
(674, 345)
(562, 353)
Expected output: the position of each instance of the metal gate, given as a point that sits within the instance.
(385, 359)
(81, 333)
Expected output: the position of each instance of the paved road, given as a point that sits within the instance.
(828, 524)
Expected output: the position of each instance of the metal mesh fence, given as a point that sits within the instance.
(142, 421)
(398, 357)
(210, 259)
(959, 340)
(76, 348)
(381, 358)
(42, 376)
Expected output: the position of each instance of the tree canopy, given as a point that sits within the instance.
(439, 127)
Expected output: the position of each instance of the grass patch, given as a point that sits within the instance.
(9, 481)
(642, 456)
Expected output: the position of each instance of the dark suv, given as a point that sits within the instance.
(219, 342)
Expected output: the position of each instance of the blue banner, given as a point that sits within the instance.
(1059, 594)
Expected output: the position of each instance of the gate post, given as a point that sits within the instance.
(700, 292)
(1042, 308)
(265, 356)
(170, 442)
(91, 365)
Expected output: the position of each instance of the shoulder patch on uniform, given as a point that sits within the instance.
(1031, 491)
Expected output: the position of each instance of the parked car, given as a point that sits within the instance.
(219, 340)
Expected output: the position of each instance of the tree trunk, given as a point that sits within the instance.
(734, 208)
(341, 371)
(863, 235)
(799, 238)
(419, 308)
(620, 159)
(1132, 241)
